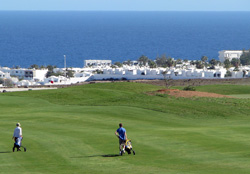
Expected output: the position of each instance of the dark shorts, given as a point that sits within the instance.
(122, 141)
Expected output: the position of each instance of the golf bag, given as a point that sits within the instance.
(128, 147)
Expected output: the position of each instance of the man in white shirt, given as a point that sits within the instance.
(17, 131)
(17, 135)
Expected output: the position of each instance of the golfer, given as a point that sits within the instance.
(122, 135)
(17, 132)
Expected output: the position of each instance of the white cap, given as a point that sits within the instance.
(18, 124)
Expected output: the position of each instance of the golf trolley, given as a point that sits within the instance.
(128, 147)
(18, 145)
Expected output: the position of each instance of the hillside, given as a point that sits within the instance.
(71, 130)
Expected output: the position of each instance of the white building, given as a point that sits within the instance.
(61, 80)
(39, 75)
(230, 54)
(96, 63)
(26, 74)
(27, 83)
(4, 74)
(55, 80)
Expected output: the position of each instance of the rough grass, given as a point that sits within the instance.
(71, 130)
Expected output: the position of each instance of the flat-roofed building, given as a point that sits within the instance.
(26, 74)
(230, 54)
(4, 75)
(96, 63)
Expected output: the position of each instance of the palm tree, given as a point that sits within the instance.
(143, 60)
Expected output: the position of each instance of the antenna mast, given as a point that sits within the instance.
(65, 65)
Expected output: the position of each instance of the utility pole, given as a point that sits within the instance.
(65, 65)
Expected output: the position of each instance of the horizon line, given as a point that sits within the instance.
(123, 10)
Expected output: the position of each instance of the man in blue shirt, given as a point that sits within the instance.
(122, 135)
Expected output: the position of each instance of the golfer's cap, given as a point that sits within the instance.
(18, 124)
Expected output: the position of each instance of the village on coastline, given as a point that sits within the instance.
(230, 65)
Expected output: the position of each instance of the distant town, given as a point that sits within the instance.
(231, 64)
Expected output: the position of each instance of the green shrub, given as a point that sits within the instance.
(228, 74)
(189, 88)
(162, 95)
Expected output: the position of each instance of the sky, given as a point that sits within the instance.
(126, 5)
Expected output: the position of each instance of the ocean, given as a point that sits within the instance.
(44, 37)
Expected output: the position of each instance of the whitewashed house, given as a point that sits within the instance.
(4, 74)
(27, 83)
(97, 63)
(39, 75)
(230, 54)
(56, 80)
(108, 71)
(82, 74)
(26, 74)
(237, 74)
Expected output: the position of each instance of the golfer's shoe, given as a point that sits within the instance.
(121, 152)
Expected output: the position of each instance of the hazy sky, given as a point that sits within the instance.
(127, 5)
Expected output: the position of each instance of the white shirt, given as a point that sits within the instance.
(17, 132)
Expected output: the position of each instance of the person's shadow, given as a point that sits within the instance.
(107, 155)
(6, 152)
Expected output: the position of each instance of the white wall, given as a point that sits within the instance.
(229, 54)
(237, 74)
(4, 75)
(39, 74)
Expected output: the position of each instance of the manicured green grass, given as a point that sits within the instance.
(240, 95)
(71, 130)
(222, 89)
(225, 89)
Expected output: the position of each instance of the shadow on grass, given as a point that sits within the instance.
(6, 152)
(108, 155)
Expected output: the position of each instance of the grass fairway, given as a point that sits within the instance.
(71, 130)
(241, 95)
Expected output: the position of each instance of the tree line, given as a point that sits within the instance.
(164, 61)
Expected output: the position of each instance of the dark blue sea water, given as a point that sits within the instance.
(43, 38)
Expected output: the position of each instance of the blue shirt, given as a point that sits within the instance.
(121, 131)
